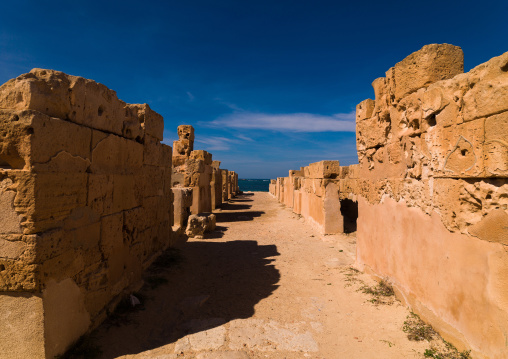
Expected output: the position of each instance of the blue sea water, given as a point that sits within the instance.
(253, 185)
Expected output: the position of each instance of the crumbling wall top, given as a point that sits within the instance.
(84, 102)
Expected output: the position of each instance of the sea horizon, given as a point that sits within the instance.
(254, 184)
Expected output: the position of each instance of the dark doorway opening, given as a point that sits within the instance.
(349, 211)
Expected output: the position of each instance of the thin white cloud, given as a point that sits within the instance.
(229, 105)
(216, 143)
(245, 138)
(295, 122)
(191, 96)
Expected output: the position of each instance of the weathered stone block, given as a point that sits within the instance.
(111, 234)
(157, 209)
(198, 224)
(181, 206)
(114, 154)
(102, 109)
(182, 147)
(134, 222)
(56, 195)
(151, 121)
(9, 218)
(495, 148)
(46, 91)
(70, 98)
(132, 128)
(112, 193)
(457, 150)
(324, 169)
(203, 156)
(153, 180)
(17, 276)
(156, 153)
(381, 95)
(373, 132)
(195, 166)
(429, 64)
(186, 132)
(489, 89)
(12, 246)
(15, 131)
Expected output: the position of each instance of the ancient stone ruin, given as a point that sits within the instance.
(430, 193)
(197, 182)
(89, 197)
(86, 204)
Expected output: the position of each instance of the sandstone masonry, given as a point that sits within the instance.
(431, 190)
(197, 182)
(86, 204)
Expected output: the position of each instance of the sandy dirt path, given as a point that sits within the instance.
(263, 285)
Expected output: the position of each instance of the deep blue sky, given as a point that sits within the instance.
(268, 85)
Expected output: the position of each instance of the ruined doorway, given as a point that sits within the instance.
(349, 211)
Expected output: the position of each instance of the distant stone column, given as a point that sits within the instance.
(225, 185)
(216, 185)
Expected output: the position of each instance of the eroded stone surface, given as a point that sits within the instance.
(80, 216)
(198, 224)
(434, 141)
(196, 171)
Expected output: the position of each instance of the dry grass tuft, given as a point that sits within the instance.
(446, 351)
(417, 330)
(381, 293)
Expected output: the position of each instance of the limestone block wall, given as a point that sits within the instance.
(194, 169)
(230, 183)
(280, 189)
(316, 192)
(433, 192)
(85, 206)
(225, 185)
(272, 187)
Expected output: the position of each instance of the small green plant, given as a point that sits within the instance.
(382, 293)
(381, 289)
(431, 353)
(352, 276)
(446, 352)
(390, 344)
(416, 329)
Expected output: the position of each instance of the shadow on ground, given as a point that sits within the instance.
(218, 232)
(234, 207)
(237, 216)
(213, 283)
